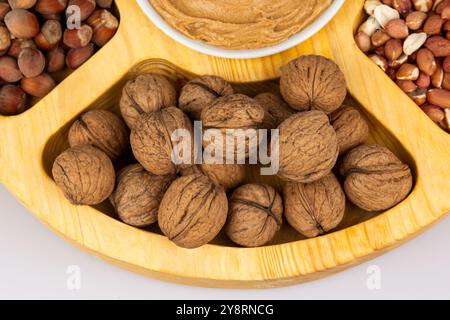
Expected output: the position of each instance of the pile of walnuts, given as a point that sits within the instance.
(193, 203)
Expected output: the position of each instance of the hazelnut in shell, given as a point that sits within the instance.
(200, 92)
(350, 126)
(255, 215)
(313, 83)
(151, 139)
(193, 211)
(144, 94)
(314, 208)
(85, 174)
(308, 147)
(375, 179)
(138, 194)
(102, 129)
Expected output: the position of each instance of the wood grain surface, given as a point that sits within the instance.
(30, 142)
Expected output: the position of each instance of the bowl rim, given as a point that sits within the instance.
(204, 48)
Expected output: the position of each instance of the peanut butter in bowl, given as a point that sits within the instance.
(240, 24)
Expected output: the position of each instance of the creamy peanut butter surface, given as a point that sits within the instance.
(240, 24)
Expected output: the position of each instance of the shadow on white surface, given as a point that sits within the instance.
(37, 264)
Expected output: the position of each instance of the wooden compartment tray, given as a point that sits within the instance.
(31, 141)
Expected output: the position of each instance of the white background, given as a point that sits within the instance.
(33, 264)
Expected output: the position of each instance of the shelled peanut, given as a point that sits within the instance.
(41, 38)
(410, 41)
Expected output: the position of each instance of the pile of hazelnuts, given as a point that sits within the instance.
(41, 38)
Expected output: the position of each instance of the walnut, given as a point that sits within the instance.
(85, 174)
(102, 129)
(313, 83)
(200, 92)
(151, 139)
(229, 176)
(255, 215)
(138, 194)
(375, 179)
(314, 208)
(235, 111)
(275, 106)
(351, 128)
(144, 94)
(308, 147)
(193, 211)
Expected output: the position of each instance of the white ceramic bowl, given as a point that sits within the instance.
(202, 47)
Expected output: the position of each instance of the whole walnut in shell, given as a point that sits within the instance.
(308, 147)
(85, 174)
(193, 211)
(200, 92)
(144, 94)
(314, 208)
(313, 83)
(229, 176)
(255, 215)
(235, 111)
(275, 106)
(102, 129)
(351, 128)
(375, 179)
(151, 139)
(138, 194)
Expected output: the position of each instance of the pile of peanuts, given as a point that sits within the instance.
(41, 38)
(410, 41)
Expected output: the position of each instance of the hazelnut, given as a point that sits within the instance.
(275, 106)
(138, 194)
(86, 8)
(151, 139)
(56, 59)
(308, 147)
(9, 70)
(77, 38)
(46, 7)
(350, 126)
(4, 9)
(12, 100)
(17, 45)
(144, 94)
(314, 208)
(202, 91)
(313, 83)
(255, 215)
(31, 62)
(50, 35)
(375, 179)
(77, 56)
(193, 211)
(104, 25)
(102, 129)
(21, 4)
(5, 38)
(38, 86)
(85, 175)
(22, 23)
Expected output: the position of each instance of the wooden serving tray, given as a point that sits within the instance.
(31, 141)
